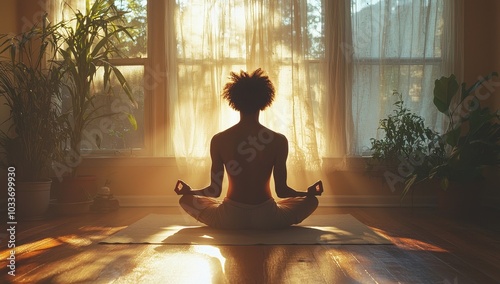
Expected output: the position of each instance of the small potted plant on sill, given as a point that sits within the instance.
(86, 47)
(406, 142)
(30, 85)
(472, 143)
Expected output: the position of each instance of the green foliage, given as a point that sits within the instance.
(48, 61)
(407, 141)
(31, 87)
(444, 90)
(472, 139)
(473, 133)
(405, 136)
(87, 44)
(136, 17)
(470, 143)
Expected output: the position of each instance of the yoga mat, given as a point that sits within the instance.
(179, 229)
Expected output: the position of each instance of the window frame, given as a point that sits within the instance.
(156, 120)
(153, 95)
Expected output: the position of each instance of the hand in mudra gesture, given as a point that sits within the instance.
(182, 188)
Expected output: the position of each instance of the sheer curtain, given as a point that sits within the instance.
(338, 78)
(401, 46)
(334, 64)
(64, 10)
(213, 38)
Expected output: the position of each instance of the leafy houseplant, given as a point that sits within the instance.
(30, 85)
(406, 138)
(473, 134)
(87, 44)
(472, 138)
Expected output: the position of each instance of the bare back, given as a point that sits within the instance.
(248, 151)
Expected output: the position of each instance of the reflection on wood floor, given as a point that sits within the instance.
(428, 248)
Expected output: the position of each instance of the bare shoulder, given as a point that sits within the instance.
(217, 137)
(278, 137)
(217, 140)
(222, 138)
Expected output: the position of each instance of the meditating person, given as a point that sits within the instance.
(250, 152)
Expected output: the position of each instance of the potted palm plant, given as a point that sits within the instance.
(30, 85)
(86, 46)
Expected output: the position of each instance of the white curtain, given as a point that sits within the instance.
(213, 38)
(332, 87)
(334, 64)
(401, 46)
(338, 78)
(64, 10)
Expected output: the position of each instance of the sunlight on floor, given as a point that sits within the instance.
(43, 244)
(74, 240)
(197, 264)
(409, 243)
(212, 252)
(417, 245)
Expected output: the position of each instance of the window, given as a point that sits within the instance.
(122, 136)
(397, 47)
(213, 38)
(116, 132)
(185, 50)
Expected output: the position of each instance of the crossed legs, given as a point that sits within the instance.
(229, 214)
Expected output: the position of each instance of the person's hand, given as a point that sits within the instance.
(182, 188)
(315, 189)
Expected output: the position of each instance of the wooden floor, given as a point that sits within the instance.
(428, 248)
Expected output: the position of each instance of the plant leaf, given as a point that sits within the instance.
(131, 119)
(98, 141)
(452, 136)
(445, 89)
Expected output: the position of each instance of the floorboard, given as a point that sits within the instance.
(429, 247)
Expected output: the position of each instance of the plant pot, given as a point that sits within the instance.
(32, 199)
(74, 194)
(72, 208)
(75, 189)
(461, 199)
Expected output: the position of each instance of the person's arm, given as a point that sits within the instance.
(216, 174)
(280, 172)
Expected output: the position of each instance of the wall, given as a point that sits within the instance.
(15, 16)
(482, 42)
(8, 16)
(482, 55)
(150, 181)
(480, 37)
(496, 24)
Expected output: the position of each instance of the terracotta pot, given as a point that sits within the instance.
(32, 199)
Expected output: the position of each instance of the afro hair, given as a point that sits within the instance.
(249, 93)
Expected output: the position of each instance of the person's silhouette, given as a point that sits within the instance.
(249, 152)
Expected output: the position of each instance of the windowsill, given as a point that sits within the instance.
(351, 163)
(128, 161)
